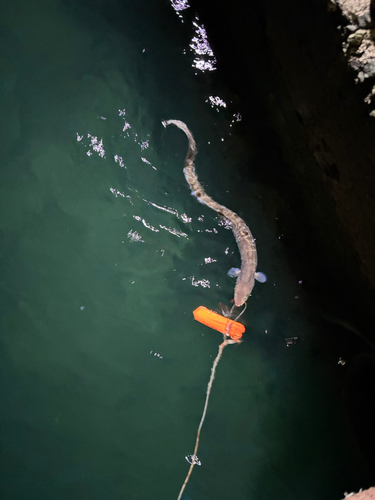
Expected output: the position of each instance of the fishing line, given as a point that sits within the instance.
(226, 340)
(241, 313)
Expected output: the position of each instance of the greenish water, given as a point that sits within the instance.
(103, 370)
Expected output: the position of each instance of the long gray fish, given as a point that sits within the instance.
(245, 240)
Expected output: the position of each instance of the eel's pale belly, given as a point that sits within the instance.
(242, 233)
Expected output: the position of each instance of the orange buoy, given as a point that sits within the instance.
(219, 322)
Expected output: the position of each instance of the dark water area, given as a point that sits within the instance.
(104, 256)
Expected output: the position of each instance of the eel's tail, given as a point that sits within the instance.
(192, 150)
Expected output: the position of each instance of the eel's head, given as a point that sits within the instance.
(241, 294)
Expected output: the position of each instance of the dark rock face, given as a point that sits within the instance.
(295, 57)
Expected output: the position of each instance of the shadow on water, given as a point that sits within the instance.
(104, 256)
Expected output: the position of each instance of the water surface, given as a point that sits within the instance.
(104, 256)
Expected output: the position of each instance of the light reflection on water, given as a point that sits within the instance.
(205, 59)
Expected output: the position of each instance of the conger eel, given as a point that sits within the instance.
(242, 233)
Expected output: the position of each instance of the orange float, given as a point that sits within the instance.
(219, 322)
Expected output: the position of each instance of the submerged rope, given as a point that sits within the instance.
(226, 341)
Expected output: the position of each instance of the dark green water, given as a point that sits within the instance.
(103, 370)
